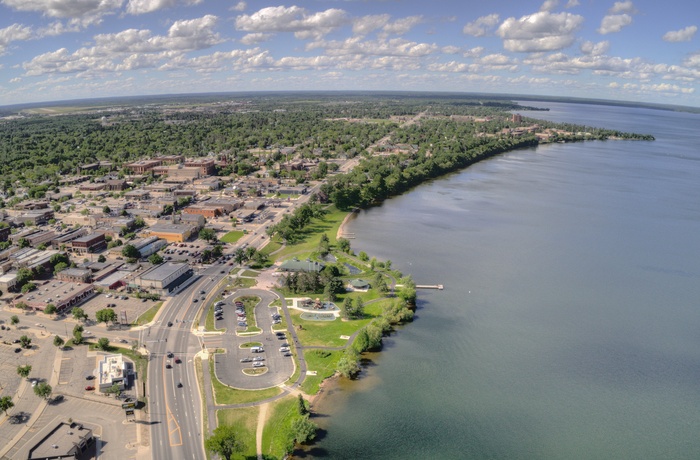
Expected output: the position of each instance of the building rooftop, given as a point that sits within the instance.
(111, 367)
(161, 272)
(61, 441)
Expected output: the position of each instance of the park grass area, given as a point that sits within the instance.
(310, 236)
(224, 394)
(278, 428)
(148, 315)
(233, 236)
(251, 344)
(272, 246)
(249, 273)
(209, 323)
(243, 283)
(324, 362)
(199, 372)
(325, 333)
(245, 421)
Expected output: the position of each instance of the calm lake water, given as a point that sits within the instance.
(569, 327)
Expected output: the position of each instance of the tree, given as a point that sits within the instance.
(207, 234)
(114, 389)
(50, 309)
(6, 404)
(105, 315)
(43, 390)
(101, 259)
(28, 288)
(23, 371)
(349, 364)
(79, 313)
(14, 320)
(103, 343)
(304, 430)
(129, 251)
(78, 328)
(303, 410)
(58, 341)
(25, 342)
(344, 245)
(223, 442)
(106, 210)
(155, 259)
(77, 337)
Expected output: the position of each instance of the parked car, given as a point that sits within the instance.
(89, 388)
(247, 360)
(284, 349)
(242, 324)
(258, 358)
(89, 377)
(258, 364)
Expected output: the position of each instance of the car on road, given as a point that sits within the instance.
(177, 361)
(170, 323)
(222, 271)
(89, 388)
(124, 341)
(195, 300)
(170, 354)
(179, 384)
(202, 292)
(168, 365)
(246, 360)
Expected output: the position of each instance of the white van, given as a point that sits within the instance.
(257, 349)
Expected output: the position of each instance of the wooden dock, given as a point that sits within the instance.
(430, 286)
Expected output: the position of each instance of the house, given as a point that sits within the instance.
(116, 185)
(76, 275)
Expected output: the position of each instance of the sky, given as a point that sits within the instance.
(631, 50)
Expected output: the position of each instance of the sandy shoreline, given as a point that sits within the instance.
(341, 231)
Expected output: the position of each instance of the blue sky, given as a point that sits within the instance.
(635, 50)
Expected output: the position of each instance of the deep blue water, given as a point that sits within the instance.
(570, 323)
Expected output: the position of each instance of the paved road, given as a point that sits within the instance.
(175, 412)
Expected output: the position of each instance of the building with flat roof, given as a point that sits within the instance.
(143, 166)
(64, 441)
(113, 370)
(207, 166)
(172, 232)
(149, 245)
(33, 258)
(8, 282)
(76, 275)
(63, 294)
(296, 265)
(164, 278)
(91, 243)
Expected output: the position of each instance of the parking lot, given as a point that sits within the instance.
(228, 366)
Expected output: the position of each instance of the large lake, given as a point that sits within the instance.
(569, 327)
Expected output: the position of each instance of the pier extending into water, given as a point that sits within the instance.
(430, 286)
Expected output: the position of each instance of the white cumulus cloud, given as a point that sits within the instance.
(595, 49)
(255, 38)
(623, 7)
(549, 5)
(683, 35)
(481, 26)
(66, 8)
(614, 23)
(541, 31)
(293, 19)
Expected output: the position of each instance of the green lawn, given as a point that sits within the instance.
(249, 273)
(278, 428)
(325, 333)
(251, 344)
(224, 394)
(209, 323)
(311, 235)
(232, 236)
(148, 315)
(324, 362)
(245, 420)
(249, 302)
